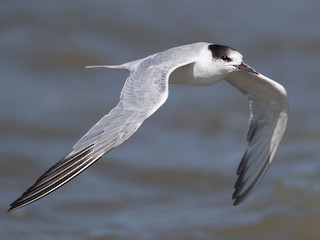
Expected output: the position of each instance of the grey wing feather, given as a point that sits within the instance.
(268, 119)
(145, 90)
(108, 133)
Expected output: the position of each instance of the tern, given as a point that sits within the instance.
(147, 88)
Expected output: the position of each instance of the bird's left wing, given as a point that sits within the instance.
(268, 120)
(145, 90)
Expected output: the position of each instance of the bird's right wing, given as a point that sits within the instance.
(268, 120)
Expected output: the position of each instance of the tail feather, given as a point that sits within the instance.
(122, 66)
(129, 65)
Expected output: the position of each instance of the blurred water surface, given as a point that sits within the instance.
(174, 178)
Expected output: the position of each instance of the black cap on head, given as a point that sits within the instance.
(220, 51)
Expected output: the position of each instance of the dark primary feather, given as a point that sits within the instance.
(62, 172)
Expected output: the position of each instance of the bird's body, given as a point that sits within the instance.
(146, 89)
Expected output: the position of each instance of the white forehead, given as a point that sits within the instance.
(235, 56)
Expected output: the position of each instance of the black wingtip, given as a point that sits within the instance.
(10, 209)
(239, 195)
(238, 199)
(46, 184)
(236, 203)
(15, 205)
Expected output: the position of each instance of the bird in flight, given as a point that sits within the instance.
(147, 88)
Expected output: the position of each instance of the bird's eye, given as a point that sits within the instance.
(226, 58)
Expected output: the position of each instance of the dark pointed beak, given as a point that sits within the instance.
(247, 68)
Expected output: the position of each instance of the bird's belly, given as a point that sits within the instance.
(185, 75)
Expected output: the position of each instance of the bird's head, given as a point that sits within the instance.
(228, 59)
(215, 62)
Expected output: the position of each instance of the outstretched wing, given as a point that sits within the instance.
(268, 120)
(145, 90)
